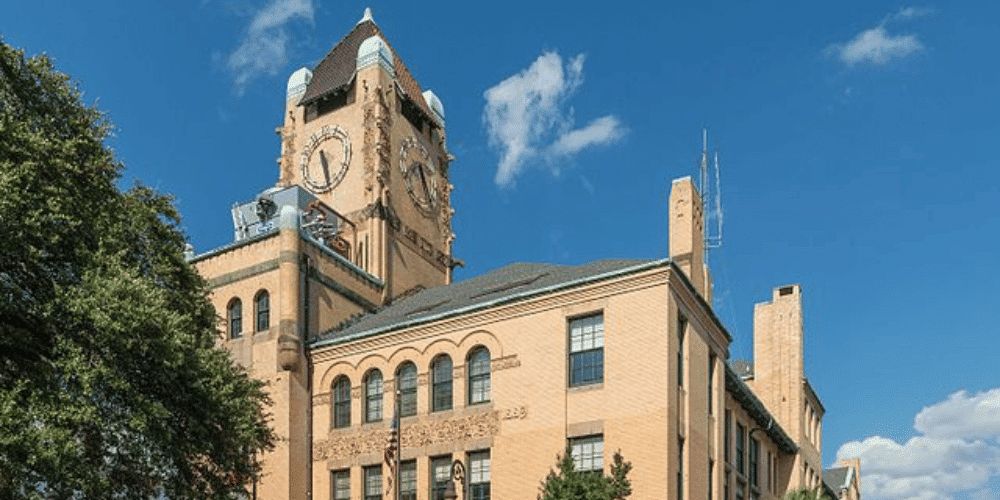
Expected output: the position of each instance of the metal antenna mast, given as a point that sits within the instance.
(710, 208)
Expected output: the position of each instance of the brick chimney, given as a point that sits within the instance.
(687, 235)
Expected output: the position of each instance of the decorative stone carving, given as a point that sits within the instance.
(458, 371)
(356, 392)
(344, 445)
(288, 352)
(505, 363)
(377, 140)
(287, 150)
(321, 399)
(422, 379)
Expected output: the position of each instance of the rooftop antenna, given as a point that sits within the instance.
(710, 208)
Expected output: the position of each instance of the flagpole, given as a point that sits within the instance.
(399, 446)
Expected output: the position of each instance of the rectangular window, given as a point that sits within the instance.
(408, 480)
(754, 462)
(441, 380)
(741, 457)
(479, 475)
(340, 481)
(769, 487)
(725, 491)
(407, 380)
(680, 468)
(440, 475)
(741, 488)
(263, 312)
(479, 376)
(588, 453)
(774, 473)
(373, 482)
(586, 347)
(681, 329)
(727, 438)
(711, 384)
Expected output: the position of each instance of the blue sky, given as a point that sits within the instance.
(858, 143)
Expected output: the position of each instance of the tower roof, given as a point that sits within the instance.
(338, 68)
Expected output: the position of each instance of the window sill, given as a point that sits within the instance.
(584, 388)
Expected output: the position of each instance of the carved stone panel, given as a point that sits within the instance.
(505, 363)
(321, 399)
(342, 445)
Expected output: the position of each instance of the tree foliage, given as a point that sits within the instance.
(567, 483)
(110, 382)
(807, 494)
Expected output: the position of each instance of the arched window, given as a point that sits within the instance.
(406, 382)
(262, 306)
(479, 376)
(441, 383)
(235, 319)
(373, 396)
(342, 402)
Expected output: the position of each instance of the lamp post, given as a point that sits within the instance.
(457, 475)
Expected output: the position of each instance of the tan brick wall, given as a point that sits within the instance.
(636, 408)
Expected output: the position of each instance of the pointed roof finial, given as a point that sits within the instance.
(367, 16)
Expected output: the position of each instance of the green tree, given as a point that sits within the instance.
(807, 494)
(566, 483)
(110, 382)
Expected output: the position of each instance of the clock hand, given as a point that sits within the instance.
(326, 166)
(423, 181)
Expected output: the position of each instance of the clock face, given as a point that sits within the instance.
(420, 175)
(325, 159)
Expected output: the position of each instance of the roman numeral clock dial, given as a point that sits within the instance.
(420, 176)
(325, 159)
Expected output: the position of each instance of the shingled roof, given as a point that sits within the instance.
(838, 477)
(338, 68)
(513, 282)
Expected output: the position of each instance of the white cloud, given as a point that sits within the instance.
(956, 453)
(962, 416)
(525, 118)
(876, 46)
(264, 47)
(906, 13)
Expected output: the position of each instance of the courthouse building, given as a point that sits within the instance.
(337, 291)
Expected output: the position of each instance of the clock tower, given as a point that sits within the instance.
(362, 137)
(360, 216)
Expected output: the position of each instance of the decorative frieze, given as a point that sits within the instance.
(341, 445)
